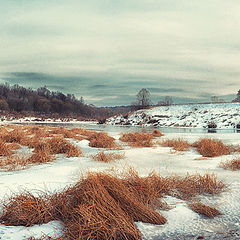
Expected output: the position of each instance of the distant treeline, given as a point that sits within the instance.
(43, 101)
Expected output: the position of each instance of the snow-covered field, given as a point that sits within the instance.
(224, 115)
(182, 221)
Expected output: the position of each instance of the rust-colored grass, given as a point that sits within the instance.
(107, 157)
(137, 139)
(177, 144)
(5, 150)
(211, 148)
(16, 135)
(26, 210)
(204, 210)
(157, 133)
(233, 165)
(61, 146)
(104, 206)
(41, 156)
(101, 140)
(14, 162)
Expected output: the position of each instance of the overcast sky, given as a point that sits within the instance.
(107, 50)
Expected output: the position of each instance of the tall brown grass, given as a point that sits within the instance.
(233, 165)
(211, 148)
(5, 150)
(107, 157)
(14, 162)
(26, 210)
(177, 144)
(204, 210)
(137, 139)
(101, 140)
(60, 145)
(104, 206)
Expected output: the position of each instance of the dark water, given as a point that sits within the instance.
(117, 128)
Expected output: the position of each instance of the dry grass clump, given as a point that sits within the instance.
(59, 145)
(190, 186)
(211, 148)
(177, 144)
(41, 157)
(107, 157)
(205, 210)
(233, 165)
(101, 140)
(104, 206)
(14, 136)
(137, 139)
(5, 150)
(26, 210)
(157, 133)
(14, 162)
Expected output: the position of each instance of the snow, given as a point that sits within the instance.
(224, 115)
(55, 176)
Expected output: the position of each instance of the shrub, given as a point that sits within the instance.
(211, 148)
(177, 144)
(101, 140)
(107, 157)
(26, 210)
(4, 149)
(60, 145)
(137, 139)
(231, 165)
(13, 162)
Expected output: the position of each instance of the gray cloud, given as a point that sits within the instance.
(108, 50)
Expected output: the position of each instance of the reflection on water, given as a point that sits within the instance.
(118, 128)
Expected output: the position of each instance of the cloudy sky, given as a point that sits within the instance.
(107, 50)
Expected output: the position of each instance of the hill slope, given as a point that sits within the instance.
(224, 115)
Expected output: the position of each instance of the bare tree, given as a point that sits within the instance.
(143, 98)
(167, 101)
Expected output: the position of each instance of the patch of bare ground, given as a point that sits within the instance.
(233, 165)
(107, 157)
(104, 206)
(208, 147)
(204, 210)
(177, 144)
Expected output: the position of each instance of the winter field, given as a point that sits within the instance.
(222, 115)
(187, 185)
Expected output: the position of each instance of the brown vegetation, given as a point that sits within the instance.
(107, 157)
(101, 140)
(205, 210)
(177, 144)
(233, 165)
(211, 148)
(103, 206)
(137, 139)
(60, 145)
(157, 133)
(46, 141)
(4, 149)
(14, 162)
(26, 209)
